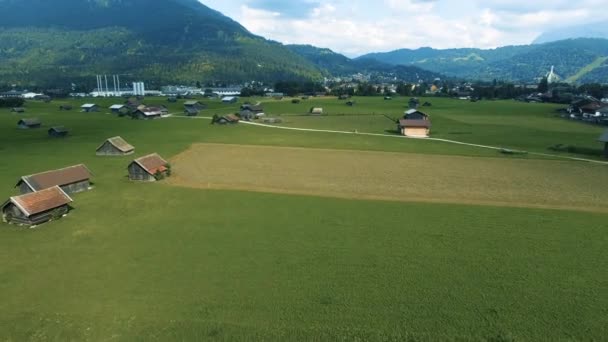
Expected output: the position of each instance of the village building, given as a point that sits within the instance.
(89, 108)
(194, 105)
(246, 115)
(229, 99)
(17, 110)
(58, 132)
(148, 168)
(29, 123)
(254, 108)
(117, 108)
(115, 146)
(36, 207)
(316, 111)
(413, 103)
(415, 128)
(71, 179)
(604, 139)
(414, 114)
(147, 113)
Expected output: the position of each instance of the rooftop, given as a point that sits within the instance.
(41, 201)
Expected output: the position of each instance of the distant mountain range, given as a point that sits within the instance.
(44, 42)
(594, 30)
(59, 42)
(580, 60)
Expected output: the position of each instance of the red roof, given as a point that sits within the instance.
(41, 201)
(152, 163)
(61, 177)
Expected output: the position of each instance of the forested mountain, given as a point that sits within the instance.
(575, 60)
(160, 41)
(333, 63)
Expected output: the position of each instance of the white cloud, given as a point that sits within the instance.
(355, 27)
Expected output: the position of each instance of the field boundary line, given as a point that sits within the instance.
(496, 148)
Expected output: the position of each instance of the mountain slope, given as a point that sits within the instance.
(333, 63)
(160, 41)
(516, 63)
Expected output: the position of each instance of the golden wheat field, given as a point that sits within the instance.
(497, 181)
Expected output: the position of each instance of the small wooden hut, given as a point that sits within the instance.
(115, 146)
(58, 132)
(29, 123)
(36, 207)
(148, 168)
(71, 179)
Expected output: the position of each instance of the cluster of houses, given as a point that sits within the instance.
(588, 109)
(46, 195)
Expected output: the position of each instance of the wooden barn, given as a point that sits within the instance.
(415, 128)
(71, 179)
(89, 108)
(120, 109)
(191, 111)
(604, 139)
(229, 99)
(148, 168)
(36, 207)
(58, 132)
(255, 109)
(29, 123)
(226, 119)
(147, 113)
(65, 107)
(316, 111)
(194, 105)
(413, 103)
(414, 114)
(115, 146)
(18, 110)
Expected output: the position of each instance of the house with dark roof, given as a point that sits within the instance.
(414, 128)
(191, 111)
(604, 138)
(414, 114)
(120, 109)
(17, 110)
(71, 179)
(36, 207)
(89, 108)
(148, 168)
(115, 146)
(29, 123)
(58, 132)
(194, 105)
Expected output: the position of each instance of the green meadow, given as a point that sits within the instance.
(159, 262)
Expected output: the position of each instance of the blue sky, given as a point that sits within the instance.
(355, 27)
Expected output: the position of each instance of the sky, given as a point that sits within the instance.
(356, 27)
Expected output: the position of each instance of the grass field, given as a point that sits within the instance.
(163, 262)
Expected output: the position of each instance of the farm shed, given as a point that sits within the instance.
(29, 123)
(147, 113)
(413, 103)
(71, 179)
(415, 128)
(414, 114)
(58, 132)
(18, 110)
(604, 139)
(194, 105)
(65, 107)
(118, 108)
(226, 119)
(256, 108)
(36, 207)
(191, 111)
(89, 108)
(115, 146)
(316, 111)
(148, 167)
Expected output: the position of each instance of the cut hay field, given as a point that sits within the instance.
(393, 176)
(455, 248)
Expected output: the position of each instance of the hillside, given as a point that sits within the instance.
(333, 63)
(524, 63)
(44, 42)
